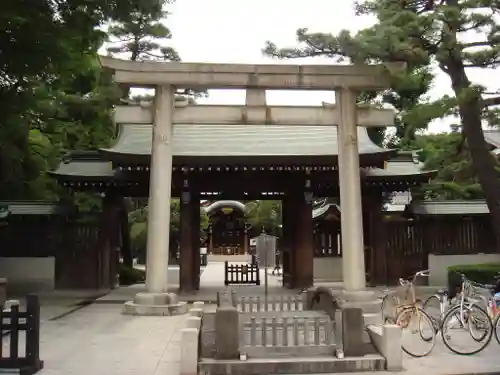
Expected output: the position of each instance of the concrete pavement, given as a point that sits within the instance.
(99, 340)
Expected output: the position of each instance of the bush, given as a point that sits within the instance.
(129, 275)
(480, 273)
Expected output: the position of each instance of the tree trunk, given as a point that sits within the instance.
(483, 163)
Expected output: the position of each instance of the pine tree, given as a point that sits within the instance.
(421, 33)
(143, 36)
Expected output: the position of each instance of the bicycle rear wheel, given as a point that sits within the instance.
(475, 320)
(418, 335)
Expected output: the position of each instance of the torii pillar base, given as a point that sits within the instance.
(155, 304)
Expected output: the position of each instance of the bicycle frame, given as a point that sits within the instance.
(468, 297)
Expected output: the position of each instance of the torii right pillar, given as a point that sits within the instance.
(353, 260)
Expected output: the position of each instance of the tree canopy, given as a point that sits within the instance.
(454, 35)
(53, 94)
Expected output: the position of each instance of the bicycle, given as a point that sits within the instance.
(408, 314)
(468, 315)
(437, 305)
(494, 307)
(401, 297)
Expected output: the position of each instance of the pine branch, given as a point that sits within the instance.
(489, 102)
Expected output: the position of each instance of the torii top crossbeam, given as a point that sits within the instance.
(241, 76)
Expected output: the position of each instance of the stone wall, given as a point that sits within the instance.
(28, 274)
(328, 269)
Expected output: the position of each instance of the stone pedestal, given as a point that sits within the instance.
(227, 332)
(155, 304)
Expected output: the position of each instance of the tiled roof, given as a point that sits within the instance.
(31, 208)
(456, 207)
(241, 140)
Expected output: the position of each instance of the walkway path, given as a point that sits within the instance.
(98, 340)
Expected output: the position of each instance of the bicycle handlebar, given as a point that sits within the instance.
(423, 273)
(411, 279)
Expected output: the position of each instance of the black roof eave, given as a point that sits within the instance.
(367, 159)
(424, 176)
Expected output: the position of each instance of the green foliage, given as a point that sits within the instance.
(138, 219)
(480, 273)
(264, 213)
(407, 94)
(130, 275)
(52, 96)
(141, 36)
(447, 154)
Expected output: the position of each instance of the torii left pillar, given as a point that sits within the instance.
(355, 293)
(156, 300)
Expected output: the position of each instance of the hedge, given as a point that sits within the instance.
(129, 276)
(480, 273)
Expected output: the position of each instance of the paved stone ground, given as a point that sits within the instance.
(212, 281)
(173, 273)
(98, 340)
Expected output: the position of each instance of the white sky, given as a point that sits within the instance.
(235, 31)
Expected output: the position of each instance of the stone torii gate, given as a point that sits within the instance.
(344, 80)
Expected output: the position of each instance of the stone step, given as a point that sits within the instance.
(289, 351)
(371, 306)
(296, 365)
(373, 318)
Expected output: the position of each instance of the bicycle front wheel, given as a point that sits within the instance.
(389, 308)
(471, 328)
(496, 328)
(418, 334)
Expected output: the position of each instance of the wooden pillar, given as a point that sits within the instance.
(106, 251)
(210, 230)
(286, 242)
(125, 248)
(376, 239)
(303, 243)
(195, 235)
(186, 277)
(245, 239)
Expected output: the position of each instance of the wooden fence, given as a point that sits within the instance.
(24, 359)
(406, 244)
(242, 274)
(401, 246)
